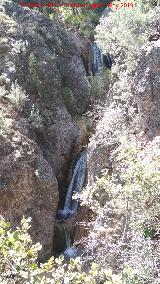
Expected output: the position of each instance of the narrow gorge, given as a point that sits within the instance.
(44, 62)
(79, 142)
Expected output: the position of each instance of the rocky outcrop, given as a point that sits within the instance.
(50, 43)
(42, 58)
(28, 187)
(147, 89)
(132, 106)
(131, 112)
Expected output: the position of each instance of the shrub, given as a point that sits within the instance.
(35, 118)
(85, 125)
(100, 83)
(75, 20)
(3, 92)
(20, 46)
(17, 96)
(5, 124)
(18, 261)
(126, 30)
(126, 203)
(32, 61)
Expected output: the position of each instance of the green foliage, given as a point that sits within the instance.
(75, 21)
(32, 61)
(126, 30)
(18, 261)
(17, 96)
(135, 184)
(35, 118)
(85, 125)
(5, 123)
(88, 126)
(100, 83)
(127, 206)
(83, 20)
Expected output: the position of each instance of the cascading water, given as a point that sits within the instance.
(76, 185)
(69, 251)
(67, 237)
(71, 205)
(98, 59)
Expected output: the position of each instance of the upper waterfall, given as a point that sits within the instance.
(98, 59)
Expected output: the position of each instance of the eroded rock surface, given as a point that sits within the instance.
(41, 57)
(147, 88)
(28, 187)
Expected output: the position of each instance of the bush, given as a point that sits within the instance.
(18, 261)
(69, 99)
(17, 96)
(35, 118)
(126, 30)
(126, 203)
(100, 83)
(5, 124)
(32, 61)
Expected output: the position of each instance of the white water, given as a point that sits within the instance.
(96, 58)
(70, 251)
(67, 237)
(71, 205)
(99, 60)
(76, 185)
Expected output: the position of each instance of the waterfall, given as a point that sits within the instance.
(71, 205)
(98, 60)
(70, 251)
(67, 237)
(76, 185)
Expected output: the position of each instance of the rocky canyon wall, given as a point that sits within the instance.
(39, 57)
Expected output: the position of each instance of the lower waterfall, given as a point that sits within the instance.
(71, 204)
(76, 185)
(67, 237)
(69, 251)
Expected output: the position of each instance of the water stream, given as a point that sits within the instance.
(69, 251)
(98, 59)
(71, 204)
(76, 185)
(67, 238)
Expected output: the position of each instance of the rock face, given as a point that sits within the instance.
(132, 109)
(40, 56)
(132, 105)
(28, 187)
(147, 89)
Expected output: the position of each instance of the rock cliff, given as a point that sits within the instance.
(39, 57)
(132, 106)
(147, 89)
